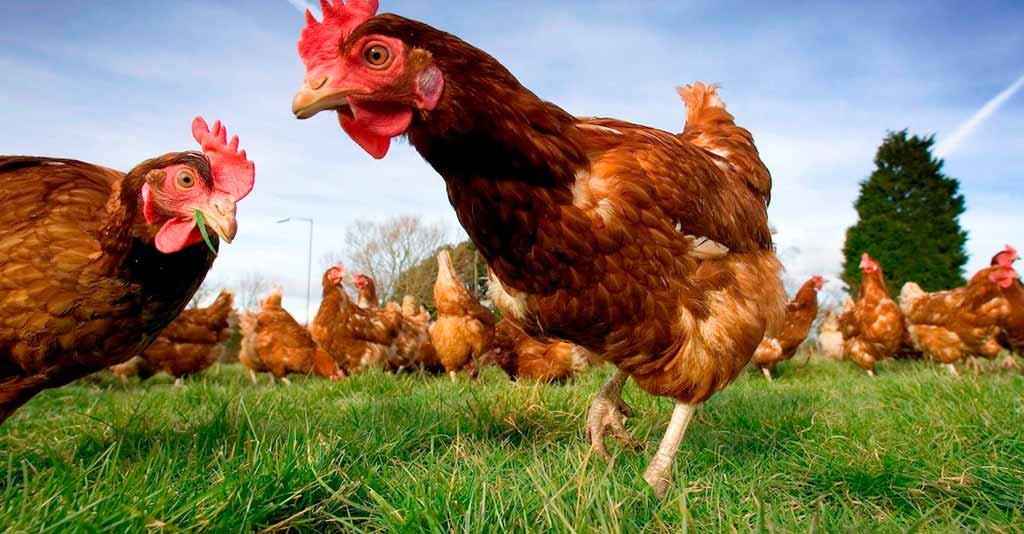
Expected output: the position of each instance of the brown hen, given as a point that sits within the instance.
(412, 349)
(873, 326)
(1011, 336)
(463, 329)
(276, 343)
(949, 326)
(647, 247)
(800, 315)
(94, 263)
(523, 357)
(192, 343)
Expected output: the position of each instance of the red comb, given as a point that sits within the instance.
(320, 40)
(232, 172)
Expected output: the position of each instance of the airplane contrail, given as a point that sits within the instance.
(303, 6)
(953, 142)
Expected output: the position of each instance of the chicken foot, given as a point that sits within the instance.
(608, 414)
(659, 472)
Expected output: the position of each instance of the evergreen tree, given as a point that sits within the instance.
(909, 219)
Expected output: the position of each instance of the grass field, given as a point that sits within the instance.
(823, 448)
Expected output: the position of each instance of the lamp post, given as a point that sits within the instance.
(309, 266)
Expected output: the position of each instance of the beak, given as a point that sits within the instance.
(220, 217)
(317, 96)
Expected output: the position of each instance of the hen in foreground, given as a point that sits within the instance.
(647, 247)
(94, 263)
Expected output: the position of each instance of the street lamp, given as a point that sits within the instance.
(309, 266)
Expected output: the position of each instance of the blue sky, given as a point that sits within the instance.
(818, 84)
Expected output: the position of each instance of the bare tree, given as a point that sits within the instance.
(252, 286)
(384, 250)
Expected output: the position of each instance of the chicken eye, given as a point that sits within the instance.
(186, 180)
(377, 56)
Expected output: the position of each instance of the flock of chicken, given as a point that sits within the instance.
(349, 336)
(982, 319)
(648, 247)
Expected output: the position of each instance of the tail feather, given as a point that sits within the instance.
(703, 106)
(712, 128)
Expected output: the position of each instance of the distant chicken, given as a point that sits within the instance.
(357, 338)
(873, 326)
(276, 343)
(463, 329)
(949, 326)
(800, 314)
(415, 313)
(830, 338)
(94, 263)
(412, 347)
(523, 357)
(367, 292)
(191, 344)
(1011, 336)
(247, 354)
(650, 248)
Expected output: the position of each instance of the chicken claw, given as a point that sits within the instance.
(659, 472)
(608, 414)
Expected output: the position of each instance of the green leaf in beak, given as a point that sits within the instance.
(201, 221)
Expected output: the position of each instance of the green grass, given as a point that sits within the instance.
(823, 448)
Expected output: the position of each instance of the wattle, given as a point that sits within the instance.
(372, 126)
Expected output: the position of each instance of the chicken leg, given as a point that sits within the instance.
(659, 472)
(608, 413)
(767, 373)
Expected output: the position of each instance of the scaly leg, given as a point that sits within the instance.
(284, 379)
(1010, 363)
(608, 413)
(453, 375)
(252, 376)
(767, 373)
(952, 369)
(871, 373)
(179, 383)
(659, 471)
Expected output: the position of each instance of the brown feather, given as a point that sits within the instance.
(81, 285)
